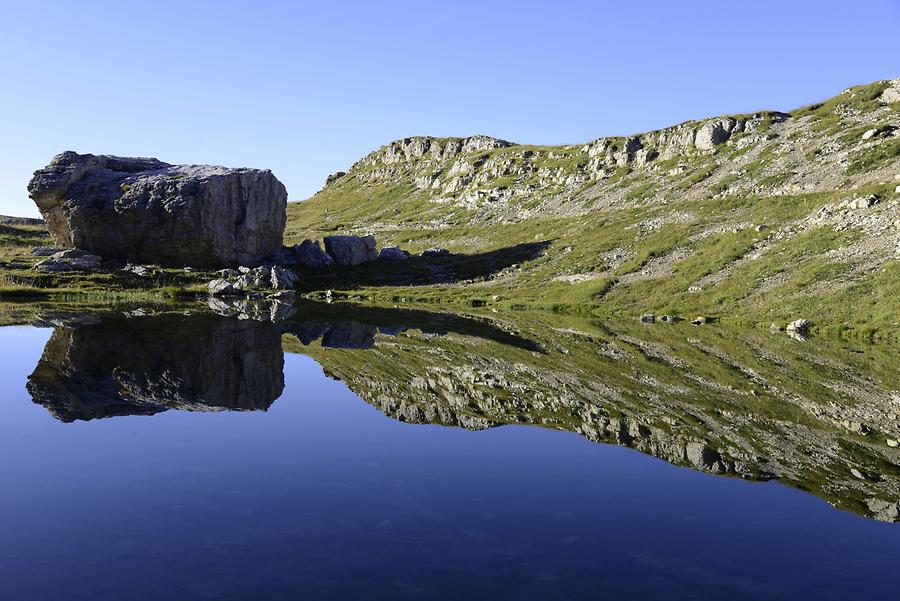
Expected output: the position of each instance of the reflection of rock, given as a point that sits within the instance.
(350, 334)
(146, 365)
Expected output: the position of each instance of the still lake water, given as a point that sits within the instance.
(322, 496)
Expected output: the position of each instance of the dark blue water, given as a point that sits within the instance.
(323, 497)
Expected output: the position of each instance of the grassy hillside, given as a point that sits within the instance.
(761, 217)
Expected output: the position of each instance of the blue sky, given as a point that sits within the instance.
(306, 88)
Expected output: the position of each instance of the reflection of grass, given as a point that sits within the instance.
(733, 389)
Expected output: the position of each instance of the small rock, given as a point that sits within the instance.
(228, 273)
(281, 278)
(349, 251)
(307, 254)
(775, 328)
(648, 318)
(221, 288)
(857, 473)
(699, 321)
(800, 326)
(45, 251)
(437, 252)
(864, 202)
(76, 253)
(52, 264)
(670, 318)
(869, 133)
(760, 227)
(892, 443)
(393, 253)
(138, 270)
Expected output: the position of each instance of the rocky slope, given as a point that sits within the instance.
(759, 214)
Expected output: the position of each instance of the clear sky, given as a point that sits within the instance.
(306, 88)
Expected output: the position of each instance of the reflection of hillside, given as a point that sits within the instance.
(103, 367)
(814, 415)
(747, 404)
(348, 326)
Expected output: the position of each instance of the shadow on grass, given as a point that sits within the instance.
(422, 271)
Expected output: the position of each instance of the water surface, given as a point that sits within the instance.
(189, 457)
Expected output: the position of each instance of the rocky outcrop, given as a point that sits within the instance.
(348, 251)
(140, 366)
(148, 211)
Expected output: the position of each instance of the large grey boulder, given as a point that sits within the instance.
(348, 251)
(148, 211)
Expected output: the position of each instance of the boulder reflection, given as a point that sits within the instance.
(115, 365)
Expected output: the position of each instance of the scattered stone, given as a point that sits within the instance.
(760, 227)
(670, 318)
(258, 277)
(149, 211)
(694, 289)
(76, 253)
(244, 269)
(228, 273)
(282, 279)
(45, 251)
(64, 264)
(869, 133)
(775, 328)
(699, 321)
(348, 251)
(863, 203)
(800, 326)
(892, 443)
(71, 259)
(393, 253)
(856, 473)
(221, 288)
(306, 254)
(648, 318)
(139, 270)
(496, 298)
(440, 252)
